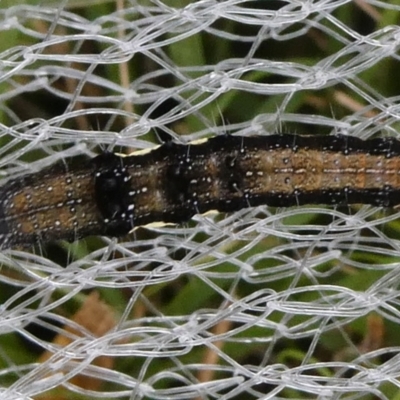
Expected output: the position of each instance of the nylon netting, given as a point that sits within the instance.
(264, 303)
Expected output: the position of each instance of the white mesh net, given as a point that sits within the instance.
(262, 303)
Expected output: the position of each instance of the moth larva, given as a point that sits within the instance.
(111, 195)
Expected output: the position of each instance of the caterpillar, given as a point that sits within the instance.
(112, 194)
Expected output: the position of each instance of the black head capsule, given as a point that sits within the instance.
(112, 194)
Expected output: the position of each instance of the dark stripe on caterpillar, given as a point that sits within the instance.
(111, 195)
